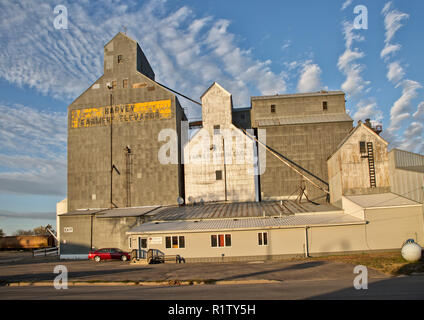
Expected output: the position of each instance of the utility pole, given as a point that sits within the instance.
(111, 152)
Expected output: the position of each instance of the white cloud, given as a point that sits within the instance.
(404, 130)
(419, 114)
(286, 45)
(402, 106)
(368, 109)
(27, 215)
(32, 150)
(354, 85)
(310, 78)
(187, 52)
(413, 137)
(346, 4)
(392, 21)
(395, 72)
(389, 49)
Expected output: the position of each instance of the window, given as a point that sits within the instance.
(130, 243)
(113, 84)
(220, 240)
(125, 83)
(228, 240)
(324, 105)
(120, 59)
(362, 148)
(218, 174)
(142, 243)
(216, 129)
(175, 242)
(181, 241)
(263, 238)
(272, 108)
(213, 241)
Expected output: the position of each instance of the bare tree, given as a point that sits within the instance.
(23, 233)
(2, 234)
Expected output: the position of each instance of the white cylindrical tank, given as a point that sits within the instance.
(411, 251)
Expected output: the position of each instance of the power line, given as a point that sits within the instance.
(180, 94)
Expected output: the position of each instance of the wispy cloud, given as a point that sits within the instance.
(32, 151)
(187, 52)
(346, 4)
(27, 215)
(287, 44)
(355, 86)
(395, 72)
(404, 130)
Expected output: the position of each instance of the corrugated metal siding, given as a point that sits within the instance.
(405, 159)
(335, 117)
(128, 212)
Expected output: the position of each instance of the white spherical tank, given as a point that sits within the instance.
(411, 251)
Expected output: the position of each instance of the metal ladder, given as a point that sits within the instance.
(371, 164)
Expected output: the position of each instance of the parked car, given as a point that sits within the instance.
(108, 254)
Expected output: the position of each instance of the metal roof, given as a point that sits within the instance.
(127, 212)
(237, 210)
(83, 212)
(112, 213)
(246, 223)
(319, 118)
(381, 200)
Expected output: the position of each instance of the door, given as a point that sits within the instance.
(142, 246)
(142, 243)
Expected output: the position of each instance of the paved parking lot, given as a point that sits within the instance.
(22, 267)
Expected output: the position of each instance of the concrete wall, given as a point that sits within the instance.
(349, 173)
(61, 208)
(296, 105)
(93, 231)
(241, 118)
(205, 154)
(308, 144)
(78, 241)
(89, 142)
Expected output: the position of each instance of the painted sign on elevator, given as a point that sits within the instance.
(102, 116)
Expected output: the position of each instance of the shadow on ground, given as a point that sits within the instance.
(397, 288)
(50, 276)
(298, 266)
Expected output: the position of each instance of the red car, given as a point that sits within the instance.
(108, 254)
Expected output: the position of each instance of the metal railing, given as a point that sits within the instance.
(45, 252)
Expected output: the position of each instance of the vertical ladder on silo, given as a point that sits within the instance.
(371, 164)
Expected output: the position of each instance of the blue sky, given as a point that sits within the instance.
(249, 47)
